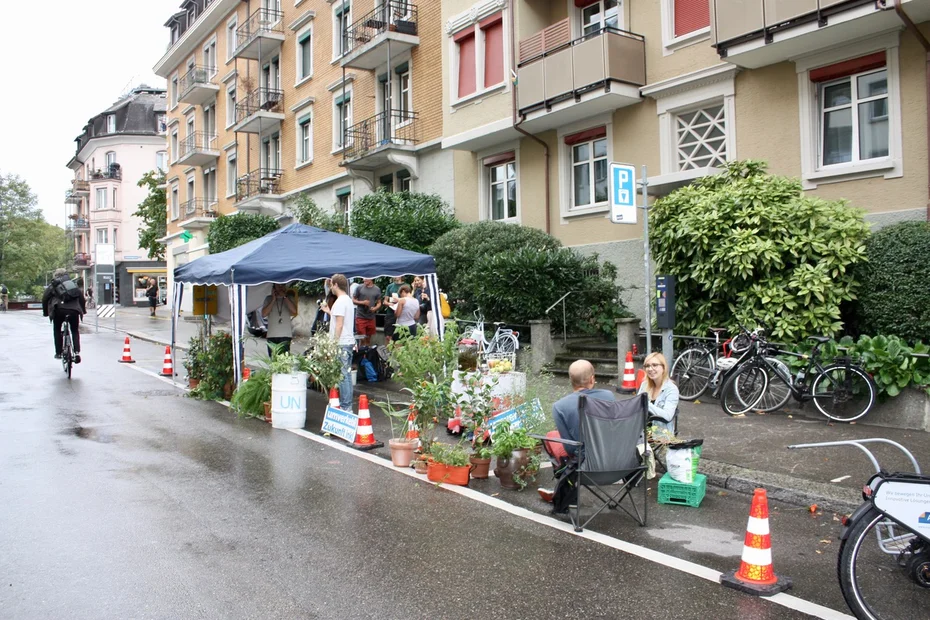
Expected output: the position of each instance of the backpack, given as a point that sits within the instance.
(3, 289)
(66, 290)
(366, 366)
(444, 305)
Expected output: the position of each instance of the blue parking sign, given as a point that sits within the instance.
(622, 193)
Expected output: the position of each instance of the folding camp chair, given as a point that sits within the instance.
(609, 463)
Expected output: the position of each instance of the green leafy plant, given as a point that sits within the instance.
(454, 455)
(325, 360)
(508, 440)
(307, 212)
(477, 405)
(288, 363)
(218, 367)
(407, 220)
(152, 212)
(231, 231)
(195, 358)
(397, 417)
(894, 298)
(745, 245)
(250, 397)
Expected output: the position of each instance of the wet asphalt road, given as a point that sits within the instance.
(121, 499)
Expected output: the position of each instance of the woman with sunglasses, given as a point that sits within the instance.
(663, 393)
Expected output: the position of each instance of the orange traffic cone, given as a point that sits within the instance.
(413, 432)
(755, 574)
(167, 369)
(640, 377)
(246, 374)
(127, 355)
(365, 436)
(629, 377)
(334, 398)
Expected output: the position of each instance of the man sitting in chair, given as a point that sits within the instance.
(565, 410)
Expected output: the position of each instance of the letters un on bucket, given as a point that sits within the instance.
(342, 424)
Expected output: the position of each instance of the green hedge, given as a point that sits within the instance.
(411, 221)
(231, 231)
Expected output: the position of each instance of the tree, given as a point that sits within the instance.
(307, 212)
(231, 231)
(751, 247)
(411, 221)
(17, 209)
(38, 250)
(153, 211)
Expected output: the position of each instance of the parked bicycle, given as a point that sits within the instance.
(701, 364)
(504, 342)
(842, 390)
(67, 348)
(883, 564)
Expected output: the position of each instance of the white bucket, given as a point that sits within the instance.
(354, 377)
(289, 400)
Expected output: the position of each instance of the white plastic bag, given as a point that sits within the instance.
(679, 464)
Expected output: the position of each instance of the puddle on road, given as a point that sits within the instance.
(92, 434)
(702, 539)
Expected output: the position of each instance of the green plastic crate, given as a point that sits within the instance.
(673, 492)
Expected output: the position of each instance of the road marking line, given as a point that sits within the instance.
(651, 555)
(167, 380)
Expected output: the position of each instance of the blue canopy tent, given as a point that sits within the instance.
(295, 253)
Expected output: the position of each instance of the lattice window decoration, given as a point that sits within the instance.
(701, 140)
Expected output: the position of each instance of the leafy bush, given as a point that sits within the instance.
(410, 221)
(231, 231)
(750, 246)
(307, 212)
(218, 374)
(518, 286)
(894, 298)
(457, 251)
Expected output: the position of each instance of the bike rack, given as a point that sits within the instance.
(858, 443)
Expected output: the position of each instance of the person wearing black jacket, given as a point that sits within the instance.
(58, 311)
(152, 293)
(421, 294)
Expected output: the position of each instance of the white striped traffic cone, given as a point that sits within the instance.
(756, 574)
(127, 354)
(364, 435)
(334, 398)
(629, 374)
(167, 369)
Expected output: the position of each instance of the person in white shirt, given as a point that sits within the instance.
(278, 311)
(341, 328)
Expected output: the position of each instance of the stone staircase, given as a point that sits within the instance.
(601, 353)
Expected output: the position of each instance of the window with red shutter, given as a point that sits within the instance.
(493, 29)
(465, 43)
(691, 15)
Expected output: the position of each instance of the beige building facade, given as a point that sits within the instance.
(272, 100)
(832, 93)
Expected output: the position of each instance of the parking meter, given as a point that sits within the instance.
(665, 302)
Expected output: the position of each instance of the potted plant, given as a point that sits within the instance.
(253, 397)
(477, 404)
(217, 380)
(517, 456)
(289, 374)
(194, 361)
(449, 464)
(401, 447)
(325, 361)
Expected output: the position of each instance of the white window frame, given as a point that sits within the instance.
(109, 158)
(190, 125)
(111, 123)
(566, 166)
(175, 145)
(671, 43)
(271, 158)
(304, 119)
(231, 100)
(232, 180)
(211, 45)
(337, 119)
(337, 200)
(161, 124)
(469, 20)
(579, 13)
(484, 181)
(161, 161)
(339, 9)
(890, 167)
(100, 205)
(191, 188)
(175, 200)
(231, 26)
(173, 81)
(299, 55)
(103, 232)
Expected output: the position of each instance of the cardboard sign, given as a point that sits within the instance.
(342, 424)
(514, 415)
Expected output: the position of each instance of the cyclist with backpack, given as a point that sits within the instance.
(63, 301)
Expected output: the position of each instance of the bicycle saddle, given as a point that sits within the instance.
(820, 339)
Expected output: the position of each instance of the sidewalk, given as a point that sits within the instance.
(739, 453)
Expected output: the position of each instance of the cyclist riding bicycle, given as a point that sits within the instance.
(63, 301)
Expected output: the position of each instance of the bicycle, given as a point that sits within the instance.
(883, 563)
(698, 366)
(67, 348)
(842, 391)
(504, 342)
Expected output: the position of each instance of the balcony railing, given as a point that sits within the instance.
(79, 224)
(396, 127)
(82, 258)
(72, 198)
(261, 22)
(392, 16)
(260, 100)
(197, 141)
(196, 76)
(258, 182)
(80, 186)
(113, 173)
(199, 207)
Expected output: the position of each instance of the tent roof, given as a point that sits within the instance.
(305, 253)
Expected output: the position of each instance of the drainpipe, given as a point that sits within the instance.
(517, 123)
(909, 24)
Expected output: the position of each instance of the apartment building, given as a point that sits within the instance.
(114, 150)
(540, 95)
(275, 99)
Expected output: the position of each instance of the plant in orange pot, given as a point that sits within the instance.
(402, 449)
(450, 464)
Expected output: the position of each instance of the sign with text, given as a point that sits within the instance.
(106, 254)
(342, 424)
(515, 415)
(622, 193)
(205, 299)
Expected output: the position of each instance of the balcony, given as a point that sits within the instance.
(198, 149)
(71, 198)
(196, 87)
(560, 81)
(261, 34)
(261, 110)
(384, 139)
(394, 23)
(198, 213)
(80, 187)
(82, 259)
(757, 33)
(78, 224)
(259, 192)
(111, 173)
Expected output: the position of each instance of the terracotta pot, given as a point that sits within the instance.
(192, 383)
(402, 451)
(421, 467)
(506, 468)
(267, 407)
(448, 474)
(227, 391)
(480, 468)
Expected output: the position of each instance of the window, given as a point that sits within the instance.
(175, 203)
(190, 193)
(502, 184)
(854, 118)
(600, 14)
(479, 56)
(304, 139)
(342, 21)
(589, 170)
(111, 123)
(404, 102)
(684, 22)
(110, 158)
(403, 181)
(209, 185)
(231, 106)
(174, 90)
(102, 235)
(304, 55)
(101, 198)
(174, 145)
(161, 123)
(115, 194)
(116, 243)
(232, 174)
(342, 112)
(209, 57)
(190, 126)
(344, 203)
(231, 26)
(387, 182)
(701, 138)
(271, 152)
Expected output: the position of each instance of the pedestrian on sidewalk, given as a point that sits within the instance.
(408, 310)
(341, 324)
(152, 293)
(278, 311)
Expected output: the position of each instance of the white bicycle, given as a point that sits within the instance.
(505, 341)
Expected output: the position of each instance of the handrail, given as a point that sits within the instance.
(260, 99)
(394, 127)
(198, 141)
(557, 302)
(582, 39)
(564, 319)
(199, 74)
(260, 22)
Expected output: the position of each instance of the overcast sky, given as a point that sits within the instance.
(64, 62)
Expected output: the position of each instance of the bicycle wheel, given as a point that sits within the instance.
(778, 392)
(884, 570)
(743, 390)
(506, 344)
(843, 393)
(692, 371)
(66, 355)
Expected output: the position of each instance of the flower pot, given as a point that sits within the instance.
(227, 391)
(192, 383)
(267, 407)
(516, 464)
(480, 468)
(421, 466)
(449, 474)
(402, 451)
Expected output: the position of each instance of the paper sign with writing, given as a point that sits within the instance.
(342, 424)
(515, 415)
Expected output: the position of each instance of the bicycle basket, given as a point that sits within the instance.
(726, 363)
(510, 357)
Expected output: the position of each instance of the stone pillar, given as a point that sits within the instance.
(626, 336)
(542, 351)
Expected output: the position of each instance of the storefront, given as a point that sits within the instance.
(132, 282)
